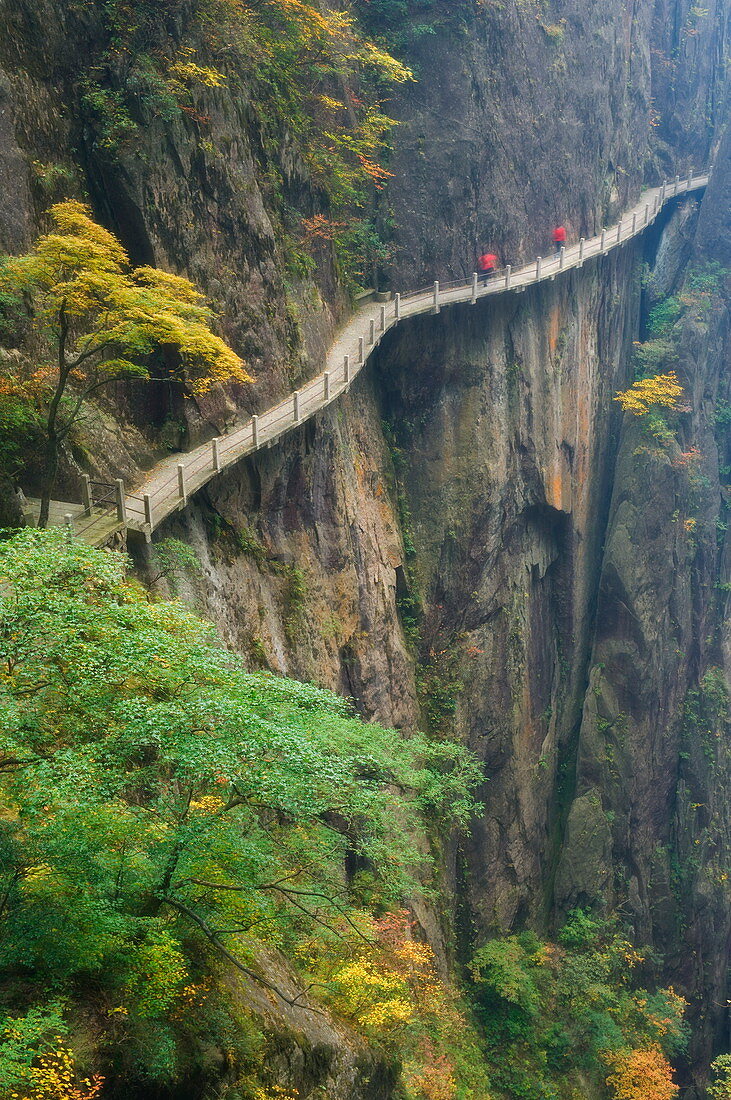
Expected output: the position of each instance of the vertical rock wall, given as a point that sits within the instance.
(480, 565)
(529, 114)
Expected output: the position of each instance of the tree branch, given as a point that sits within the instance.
(72, 364)
(209, 933)
(15, 762)
(290, 894)
(72, 418)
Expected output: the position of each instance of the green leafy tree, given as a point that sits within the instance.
(720, 1088)
(557, 1014)
(159, 804)
(104, 319)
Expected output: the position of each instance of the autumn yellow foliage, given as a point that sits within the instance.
(112, 315)
(387, 985)
(54, 1077)
(643, 1074)
(104, 320)
(662, 391)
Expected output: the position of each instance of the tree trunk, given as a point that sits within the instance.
(49, 479)
(52, 438)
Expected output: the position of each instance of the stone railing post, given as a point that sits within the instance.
(383, 318)
(473, 297)
(561, 257)
(603, 245)
(346, 369)
(326, 385)
(296, 406)
(677, 185)
(181, 483)
(508, 273)
(216, 454)
(121, 506)
(634, 223)
(372, 332)
(148, 511)
(582, 242)
(397, 307)
(361, 350)
(86, 494)
(619, 231)
(663, 189)
(539, 266)
(68, 522)
(647, 213)
(436, 297)
(255, 430)
(690, 179)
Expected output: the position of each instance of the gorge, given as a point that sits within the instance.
(474, 540)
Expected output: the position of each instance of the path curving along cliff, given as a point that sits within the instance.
(168, 485)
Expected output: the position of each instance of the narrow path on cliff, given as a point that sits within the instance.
(168, 485)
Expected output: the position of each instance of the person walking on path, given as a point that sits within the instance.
(559, 238)
(487, 264)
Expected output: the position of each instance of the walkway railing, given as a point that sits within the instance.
(172, 482)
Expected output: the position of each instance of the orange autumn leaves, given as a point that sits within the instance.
(643, 1074)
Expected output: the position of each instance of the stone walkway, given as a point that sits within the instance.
(173, 480)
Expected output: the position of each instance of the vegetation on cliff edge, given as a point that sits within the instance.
(94, 321)
(165, 816)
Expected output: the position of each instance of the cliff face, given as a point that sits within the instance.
(475, 540)
(529, 115)
(188, 188)
(471, 538)
(652, 768)
(507, 428)
(300, 548)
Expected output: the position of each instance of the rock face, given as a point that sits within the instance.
(301, 552)
(653, 742)
(529, 115)
(472, 538)
(507, 427)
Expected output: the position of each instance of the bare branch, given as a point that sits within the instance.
(209, 933)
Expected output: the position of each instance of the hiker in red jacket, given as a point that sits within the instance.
(559, 238)
(487, 264)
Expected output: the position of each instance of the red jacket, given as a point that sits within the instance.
(487, 260)
(559, 235)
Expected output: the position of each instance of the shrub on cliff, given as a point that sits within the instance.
(311, 80)
(164, 813)
(556, 1014)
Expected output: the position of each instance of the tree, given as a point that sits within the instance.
(103, 321)
(643, 1074)
(163, 806)
(663, 391)
(720, 1089)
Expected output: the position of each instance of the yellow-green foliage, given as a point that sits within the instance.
(110, 316)
(663, 391)
(720, 1087)
(385, 984)
(166, 816)
(53, 1076)
(556, 1016)
(312, 80)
